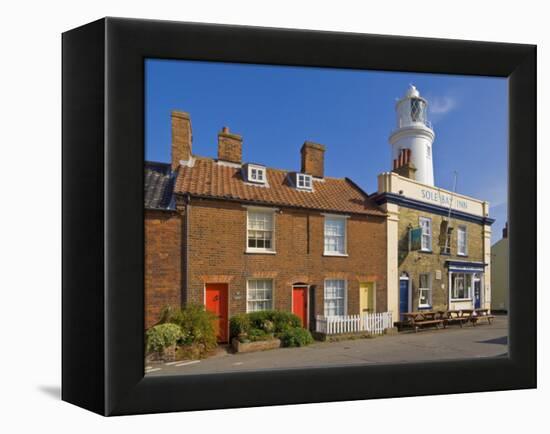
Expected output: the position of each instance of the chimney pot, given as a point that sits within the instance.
(403, 165)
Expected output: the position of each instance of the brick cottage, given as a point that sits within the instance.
(240, 236)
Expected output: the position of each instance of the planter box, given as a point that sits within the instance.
(249, 347)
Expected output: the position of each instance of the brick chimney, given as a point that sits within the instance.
(403, 165)
(505, 231)
(182, 138)
(313, 159)
(230, 146)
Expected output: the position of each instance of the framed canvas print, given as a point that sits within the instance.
(258, 216)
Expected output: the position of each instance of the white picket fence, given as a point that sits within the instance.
(373, 323)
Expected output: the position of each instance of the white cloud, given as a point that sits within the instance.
(441, 105)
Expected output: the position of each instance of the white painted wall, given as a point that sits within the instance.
(391, 182)
(418, 139)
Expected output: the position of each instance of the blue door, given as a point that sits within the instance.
(477, 293)
(403, 296)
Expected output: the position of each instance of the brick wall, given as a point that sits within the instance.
(217, 244)
(163, 265)
(415, 263)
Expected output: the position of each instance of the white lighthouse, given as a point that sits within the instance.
(414, 132)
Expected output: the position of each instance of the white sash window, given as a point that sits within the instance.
(335, 297)
(426, 225)
(335, 235)
(260, 231)
(425, 290)
(259, 295)
(462, 240)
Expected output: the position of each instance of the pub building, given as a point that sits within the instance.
(439, 241)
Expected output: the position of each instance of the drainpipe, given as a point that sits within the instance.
(449, 291)
(185, 289)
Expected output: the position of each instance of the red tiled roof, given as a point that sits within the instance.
(209, 179)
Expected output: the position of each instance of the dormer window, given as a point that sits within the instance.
(255, 173)
(304, 181)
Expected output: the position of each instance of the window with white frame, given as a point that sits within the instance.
(462, 240)
(425, 290)
(426, 225)
(260, 231)
(335, 297)
(256, 174)
(461, 286)
(304, 181)
(335, 235)
(259, 295)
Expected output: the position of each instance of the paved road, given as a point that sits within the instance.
(452, 343)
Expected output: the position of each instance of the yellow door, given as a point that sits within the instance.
(366, 297)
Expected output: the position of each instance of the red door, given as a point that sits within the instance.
(216, 302)
(299, 303)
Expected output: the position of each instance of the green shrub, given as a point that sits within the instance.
(239, 325)
(259, 335)
(197, 325)
(268, 321)
(296, 337)
(268, 326)
(162, 336)
(279, 320)
(284, 321)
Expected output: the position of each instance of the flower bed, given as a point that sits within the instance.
(258, 331)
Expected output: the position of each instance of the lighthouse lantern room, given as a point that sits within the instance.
(415, 133)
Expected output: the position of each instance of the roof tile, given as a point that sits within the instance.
(207, 178)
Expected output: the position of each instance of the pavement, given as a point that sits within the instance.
(454, 343)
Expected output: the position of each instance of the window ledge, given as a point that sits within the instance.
(425, 306)
(261, 252)
(460, 299)
(425, 251)
(338, 255)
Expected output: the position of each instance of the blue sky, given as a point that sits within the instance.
(351, 112)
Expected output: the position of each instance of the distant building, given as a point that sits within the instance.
(438, 241)
(499, 276)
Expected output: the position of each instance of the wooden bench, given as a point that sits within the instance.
(480, 314)
(420, 319)
(455, 317)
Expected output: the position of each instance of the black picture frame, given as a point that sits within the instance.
(103, 232)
